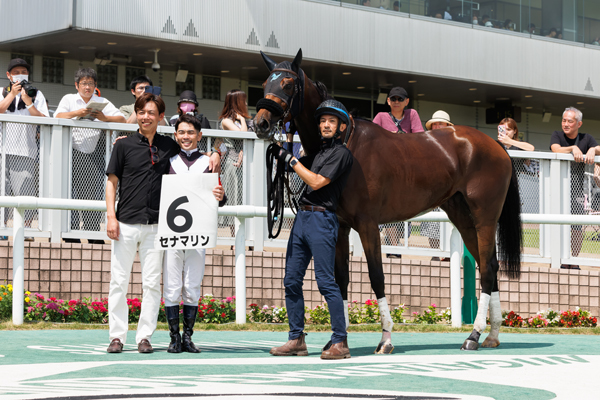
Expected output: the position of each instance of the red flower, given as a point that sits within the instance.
(223, 315)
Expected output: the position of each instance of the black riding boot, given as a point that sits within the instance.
(189, 319)
(173, 320)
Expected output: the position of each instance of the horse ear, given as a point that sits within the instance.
(297, 61)
(270, 63)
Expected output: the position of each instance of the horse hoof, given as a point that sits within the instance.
(490, 342)
(384, 348)
(470, 345)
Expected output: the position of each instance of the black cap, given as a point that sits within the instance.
(188, 96)
(398, 92)
(18, 62)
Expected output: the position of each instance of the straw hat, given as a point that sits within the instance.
(438, 116)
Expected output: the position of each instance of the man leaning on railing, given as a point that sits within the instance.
(20, 148)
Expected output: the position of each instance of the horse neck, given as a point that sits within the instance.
(305, 122)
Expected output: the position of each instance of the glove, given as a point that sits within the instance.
(283, 155)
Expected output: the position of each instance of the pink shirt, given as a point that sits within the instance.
(410, 122)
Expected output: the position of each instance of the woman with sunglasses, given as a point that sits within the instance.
(398, 120)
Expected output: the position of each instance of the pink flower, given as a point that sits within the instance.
(30, 309)
(433, 305)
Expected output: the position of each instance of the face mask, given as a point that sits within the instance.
(475, 22)
(187, 107)
(19, 78)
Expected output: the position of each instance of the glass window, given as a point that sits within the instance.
(53, 70)
(189, 84)
(211, 88)
(133, 72)
(107, 76)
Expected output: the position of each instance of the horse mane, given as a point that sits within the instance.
(322, 90)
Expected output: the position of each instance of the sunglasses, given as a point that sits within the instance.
(395, 99)
(155, 90)
(154, 155)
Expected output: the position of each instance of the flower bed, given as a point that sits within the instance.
(211, 310)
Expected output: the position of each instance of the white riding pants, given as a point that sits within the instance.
(182, 276)
(134, 238)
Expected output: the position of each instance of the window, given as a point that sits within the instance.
(211, 88)
(53, 70)
(26, 57)
(131, 73)
(107, 76)
(189, 84)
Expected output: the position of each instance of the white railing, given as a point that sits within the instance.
(547, 191)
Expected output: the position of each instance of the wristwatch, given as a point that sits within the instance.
(293, 162)
(29, 106)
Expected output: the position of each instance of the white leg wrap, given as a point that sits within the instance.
(480, 321)
(346, 313)
(495, 314)
(384, 312)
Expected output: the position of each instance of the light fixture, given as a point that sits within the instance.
(412, 81)
(502, 98)
(196, 54)
(111, 43)
(101, 61)
(346, 73)
(360, 87)
(421, 94)
(528, 108)
(147, 62)
(250, 67)
(64, 52)
(476, 101)
(473, 89)
(225, 71)
(580, 102)
(528, 95)
(181, 75)
(87, 47)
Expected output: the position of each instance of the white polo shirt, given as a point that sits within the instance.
(85, 139)
(21, 138)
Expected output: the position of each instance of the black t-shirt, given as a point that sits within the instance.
(333, 162)
(139, 180)
(584, 142)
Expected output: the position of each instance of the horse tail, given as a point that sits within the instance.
(510, 232)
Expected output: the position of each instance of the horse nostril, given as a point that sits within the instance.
(264, 125)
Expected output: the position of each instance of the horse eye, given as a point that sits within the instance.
(288, 86)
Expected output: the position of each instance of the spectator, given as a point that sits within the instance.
(438, 15)
(484, 20)
(88, 155)
(440, 119)
(136, 166)
(559, 35)
(21, 139)
(596, 41)
(188, 104)
(584, 148)
(366, 3)
(531, 29)
(552, 33)
(400, 120)
(138, 87)
(396, 6)
(183, 270)
(475, 20)
(508, 25)
(508, 135)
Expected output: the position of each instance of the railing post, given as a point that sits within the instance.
(456, 246)
(18, 266)
(57, 184)
(240, 270)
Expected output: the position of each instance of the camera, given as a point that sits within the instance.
(29, 88)
(155, 67)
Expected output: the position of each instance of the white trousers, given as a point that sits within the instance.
(131, 239)
(182, 276)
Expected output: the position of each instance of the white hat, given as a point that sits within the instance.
(489, 24)
(438, 116)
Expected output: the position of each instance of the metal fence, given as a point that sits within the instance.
(67, 159)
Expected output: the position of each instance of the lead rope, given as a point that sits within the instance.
(275, 195)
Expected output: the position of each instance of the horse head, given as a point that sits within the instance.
(283, 96)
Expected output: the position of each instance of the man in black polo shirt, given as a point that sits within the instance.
(137, 163)
(315, 232)
(584, 149)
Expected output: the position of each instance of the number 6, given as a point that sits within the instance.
(173, 213)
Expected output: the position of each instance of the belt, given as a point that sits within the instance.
(312, 208)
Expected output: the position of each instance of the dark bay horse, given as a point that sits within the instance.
(398, 176)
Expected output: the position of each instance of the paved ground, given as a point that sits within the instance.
(74, 364)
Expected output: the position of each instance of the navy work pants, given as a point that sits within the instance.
(314, 234)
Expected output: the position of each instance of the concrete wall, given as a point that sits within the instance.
(74, 271)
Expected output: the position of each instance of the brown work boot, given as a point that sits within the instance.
(144, 346)
(115, 346)
(337, 351)
(294, 347)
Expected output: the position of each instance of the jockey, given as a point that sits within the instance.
(315, 231)
(183, 270)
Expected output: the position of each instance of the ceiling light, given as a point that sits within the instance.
(225, 71)
(250, 67)
(111, 43)
(528, 95)
(421, 94)
(476, 101)
(346, 73)
(473, 89)
(197, 54)
(147, 62)
(580, 102)
(360, 87)
(412, 81)
(528, 108)
(87, 47)
(502, 98)
(64, 52)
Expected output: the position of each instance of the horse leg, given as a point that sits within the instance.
(342, 265)
(369, 236)
(495, 313)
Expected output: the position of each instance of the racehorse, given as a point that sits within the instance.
(396, 176)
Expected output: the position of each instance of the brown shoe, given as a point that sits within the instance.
(337, 351)
(115, 346)
(294, 347)
(144, 346)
